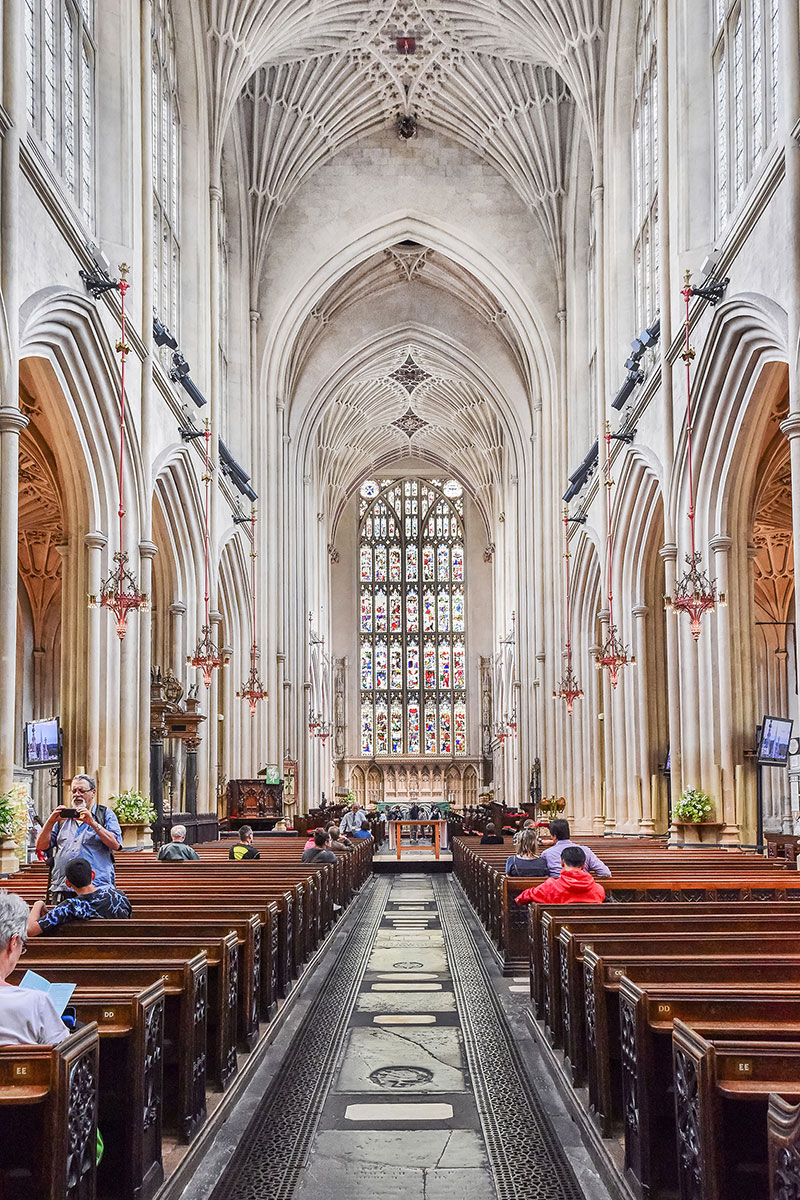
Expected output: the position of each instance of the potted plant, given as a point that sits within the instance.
(694, 806)
(13, 827)
(134, 813)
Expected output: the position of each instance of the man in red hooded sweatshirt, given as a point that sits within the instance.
(572, 886)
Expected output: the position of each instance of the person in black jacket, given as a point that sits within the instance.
(525, 859)
(490, 838)
(321, 851)
(244, 848)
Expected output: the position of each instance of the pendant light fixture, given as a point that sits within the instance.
(569, 689)
(206, 655)
(119, 593)
(695, 593)
(613, 653)
(252, 689)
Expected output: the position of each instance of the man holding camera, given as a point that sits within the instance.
(84, 830)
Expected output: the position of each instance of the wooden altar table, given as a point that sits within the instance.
(437, 832)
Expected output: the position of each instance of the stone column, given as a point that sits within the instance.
(726, 802)
(147, 552)
(177, 612)
(12, 422)
(605, 699)
(647, 824)
(95, 543)
(214, 713)
(190, 777)
(669, 555)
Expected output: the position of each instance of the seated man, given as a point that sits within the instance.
(338, 842)
(490, 837)
(177, 850)
(355, 822)
(321, 851)
(573, 886)
(88, 903)
(529, 824)
(244, 848)
(552, 855)
(27, 1017)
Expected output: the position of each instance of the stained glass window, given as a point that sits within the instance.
(745, 57)
(59, 84)
(412, 619)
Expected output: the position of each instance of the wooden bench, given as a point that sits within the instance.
(743, 1011)
(48, 1117)
(722, 1092)
(185, 1019)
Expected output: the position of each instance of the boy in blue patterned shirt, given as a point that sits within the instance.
(88, 903)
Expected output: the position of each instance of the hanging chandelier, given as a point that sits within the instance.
(253, 690)
(695, 593)
(569, 689)
(613, 654)
(206, 654)
(119, 593)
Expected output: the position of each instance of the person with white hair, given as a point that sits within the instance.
(26, 1017)
(177, 850)
(83, 829)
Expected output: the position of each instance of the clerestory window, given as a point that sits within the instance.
(60, 94)
(645, 168)
(166, 168)
(412, 618)
(745, 56)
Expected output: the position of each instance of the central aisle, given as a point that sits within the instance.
(403, 1081)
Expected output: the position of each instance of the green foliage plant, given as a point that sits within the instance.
(693, 806)
(133, 808)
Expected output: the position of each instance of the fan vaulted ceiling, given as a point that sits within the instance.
(437, 62)
(408, 403)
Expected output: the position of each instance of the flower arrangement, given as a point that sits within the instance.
(133, 808)
(350, 798)
(551, 805)
(693, 806)
(14, 814)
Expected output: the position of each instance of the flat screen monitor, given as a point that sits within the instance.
(42, 743)
(773, 745)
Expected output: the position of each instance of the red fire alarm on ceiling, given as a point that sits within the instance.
(406, 45)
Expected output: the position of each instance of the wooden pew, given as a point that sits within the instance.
(783, 1142)
(722, 1091)
(741, 1011)
(185, 1020)
(567, 981)
(48, 1117)
(131, 1028)
(248, 935)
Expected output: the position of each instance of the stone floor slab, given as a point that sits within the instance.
(412, 1061)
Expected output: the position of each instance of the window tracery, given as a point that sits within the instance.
(745, 56)
(166, 167)
(412, 576)
(645, 168)
(59, 79)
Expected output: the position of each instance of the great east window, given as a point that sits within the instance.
(412, 618)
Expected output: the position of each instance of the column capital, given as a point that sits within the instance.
(12, 419)
(95, 540)
(255, 316)
(148, 549)
(669, 552)
(752, 551)
(640, 610)
(215, 193)
(215, 617)
(603, 614)
(177, 608)
(789, 426)
(721, 543)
